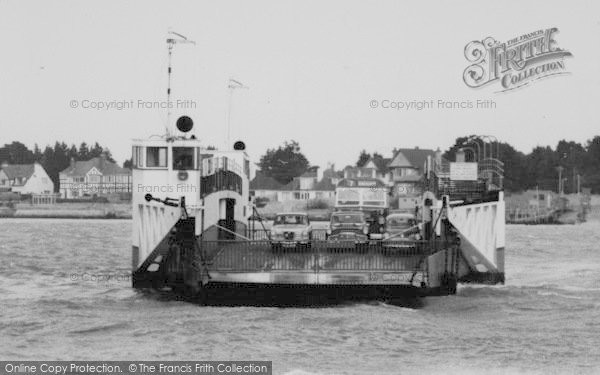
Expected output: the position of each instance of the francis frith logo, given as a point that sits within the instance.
(514, 63)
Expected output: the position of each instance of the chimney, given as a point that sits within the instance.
(438, 156)
(72, 163)
(460, 156)
(102, 159)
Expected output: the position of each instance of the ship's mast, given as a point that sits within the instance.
(233, 85)
(171, 43)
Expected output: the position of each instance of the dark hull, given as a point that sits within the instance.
(285, 295)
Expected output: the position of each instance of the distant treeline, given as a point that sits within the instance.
(540, 167)
(53, 159)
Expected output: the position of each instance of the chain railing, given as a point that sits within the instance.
(261, 234)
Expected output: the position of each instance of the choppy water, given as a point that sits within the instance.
(546, 319)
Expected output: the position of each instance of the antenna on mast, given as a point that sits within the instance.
(233, 85)
(171, 43)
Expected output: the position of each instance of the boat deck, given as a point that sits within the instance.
(320, 262)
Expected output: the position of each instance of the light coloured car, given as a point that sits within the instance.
(399, 226)
(291, 229)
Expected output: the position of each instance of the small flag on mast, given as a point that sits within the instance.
(233, 84)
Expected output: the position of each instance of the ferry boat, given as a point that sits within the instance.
(193, 232)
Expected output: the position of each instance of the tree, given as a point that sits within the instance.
(128, 163)
(592, 167)
(515, 177)
(379, 162)
(84, 152)
(284, 163)
(16, 153)
(37, 153)
(573, 157)
(73, 153)
(363, 158)
(97, 151)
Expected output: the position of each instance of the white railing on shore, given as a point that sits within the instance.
(44, 198)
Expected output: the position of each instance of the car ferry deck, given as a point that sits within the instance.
(194, 232)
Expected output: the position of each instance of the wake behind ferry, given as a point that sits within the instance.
(197, 232)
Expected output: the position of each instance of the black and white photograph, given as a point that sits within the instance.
(299, 187)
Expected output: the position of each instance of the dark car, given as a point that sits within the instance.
(348, 226)
(377, 225)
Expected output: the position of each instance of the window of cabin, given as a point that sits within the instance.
(247, 167)
(136, 157)
(140, 157)
(156, 157)
(183, 158)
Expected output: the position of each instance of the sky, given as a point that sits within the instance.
(312, 69)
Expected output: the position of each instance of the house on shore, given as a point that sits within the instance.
(95, 177)
(308, 186)
(407, 166)
(262, 186)
(402, 174)
(25, 179)
(531, 199)
(373, 168)
(406, 170)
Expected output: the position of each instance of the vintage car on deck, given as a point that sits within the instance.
(348, 226)
(401, 225)
(402, 232)
(377, 224)
(291, 230)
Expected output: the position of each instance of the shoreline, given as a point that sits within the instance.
(123, 211)
(81, 210)
(71, 216)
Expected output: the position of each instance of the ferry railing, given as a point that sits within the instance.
(212, 165)
(261, 234)
(315, 256)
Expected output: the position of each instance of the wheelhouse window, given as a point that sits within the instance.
(136, 157)
(156, 157)
(183, 158)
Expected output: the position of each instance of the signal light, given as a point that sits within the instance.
(185, 124)
(239, 146)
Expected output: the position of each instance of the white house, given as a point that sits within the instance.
(307, 186)
(94, 177)
(310, 185)
(25, 179)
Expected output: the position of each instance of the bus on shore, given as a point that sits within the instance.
(361, 194)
